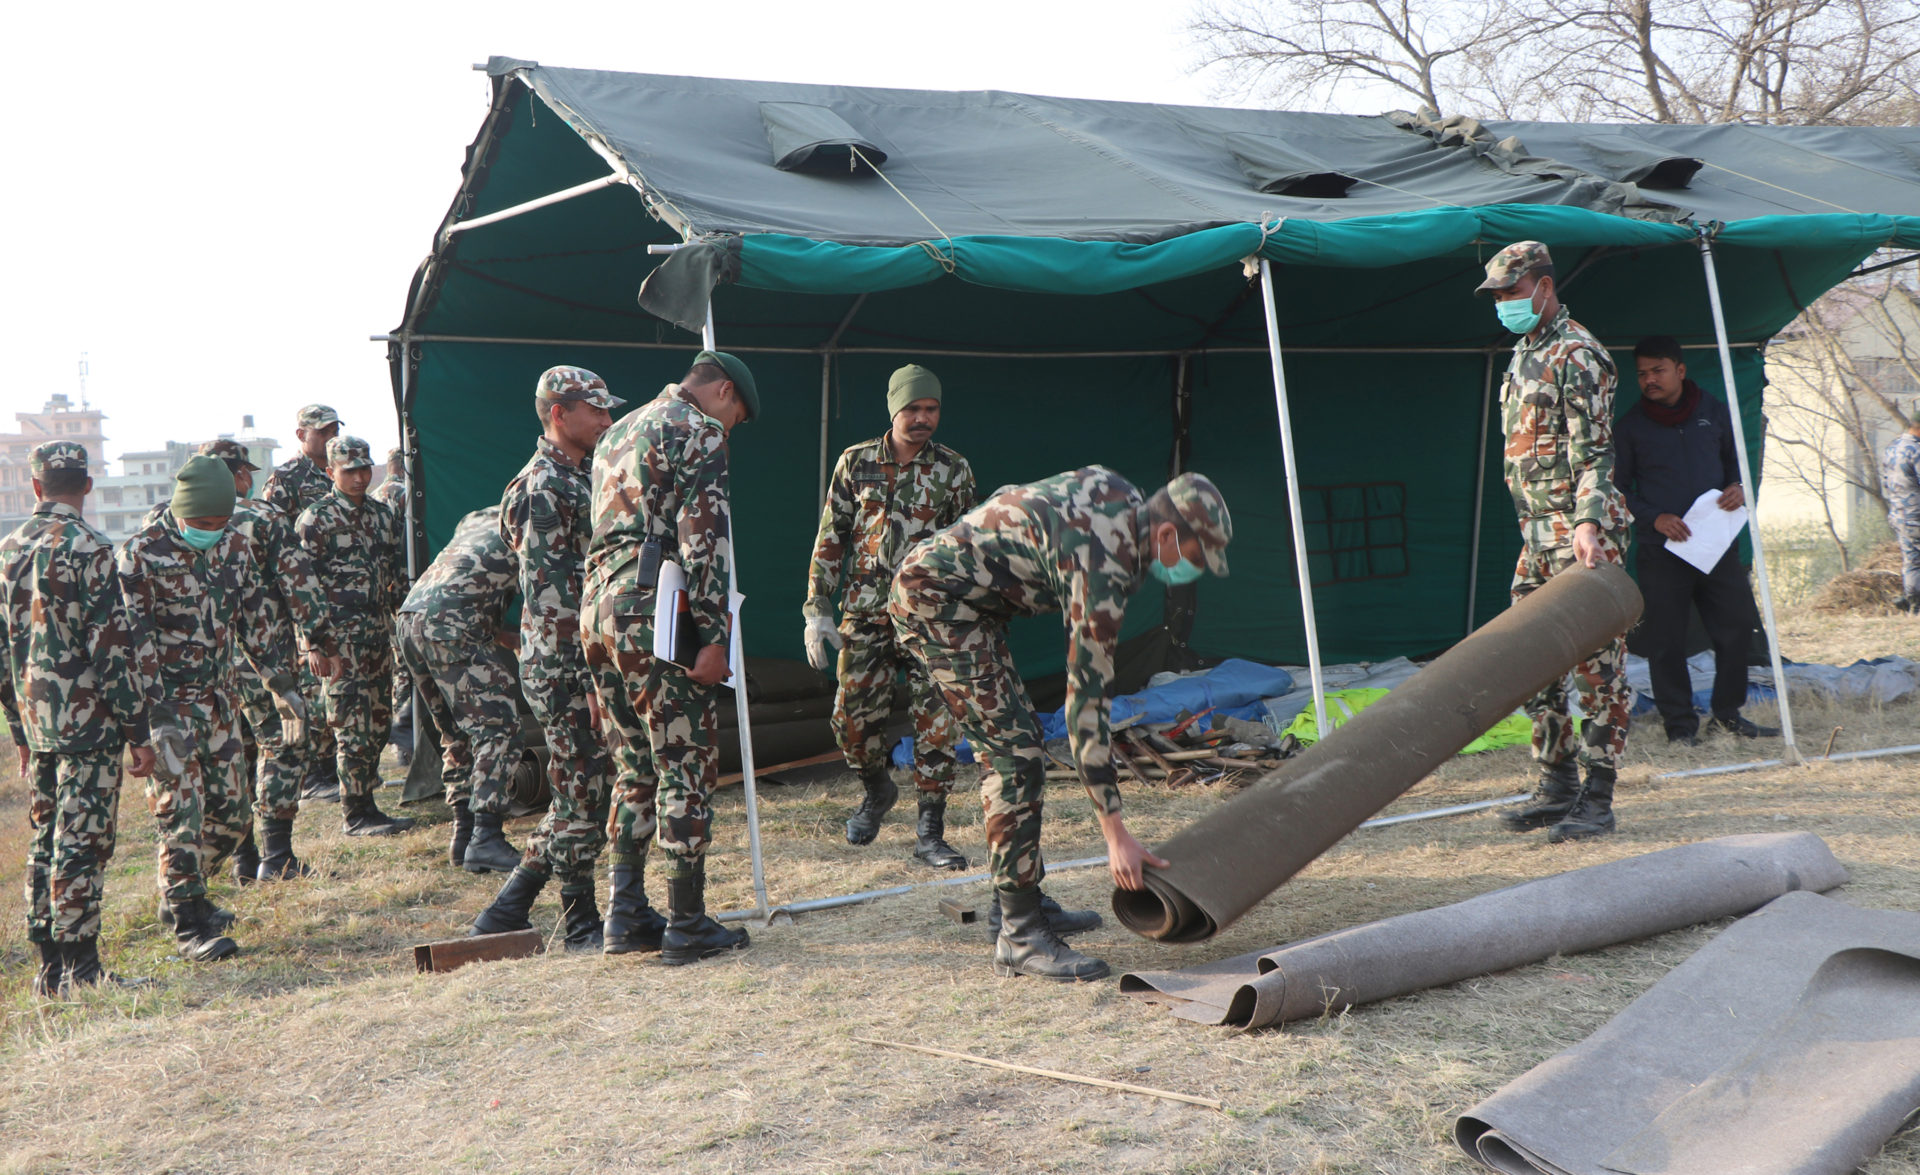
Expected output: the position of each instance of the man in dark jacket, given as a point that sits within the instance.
(1675, 445)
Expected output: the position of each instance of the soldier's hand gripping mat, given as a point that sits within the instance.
(1789, 1045)
(1582, 910)
(1225, 863)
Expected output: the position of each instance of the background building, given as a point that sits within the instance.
(60, 420)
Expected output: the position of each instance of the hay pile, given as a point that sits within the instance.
(1874, 586)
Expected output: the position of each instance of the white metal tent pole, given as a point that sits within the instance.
(1293, 501)
(1792, 753)
(1479, 495)
(741, 704)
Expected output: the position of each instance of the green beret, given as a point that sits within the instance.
(910, 383)
(738, 373)
(203, 489)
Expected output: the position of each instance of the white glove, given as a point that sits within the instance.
(823, 643)
(171, 749)
(293, 718)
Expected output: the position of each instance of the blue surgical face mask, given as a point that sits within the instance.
(201, 540)
(1179, 575)
(1518, 315)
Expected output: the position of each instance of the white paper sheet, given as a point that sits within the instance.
(1713, 531)
(666, 617)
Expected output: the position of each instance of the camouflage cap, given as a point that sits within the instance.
(317, 416)
(231, 451)
(1512, 263)
(1198, 502)
(563, 385)
(737, 372)
(58, 455)
(345, 452)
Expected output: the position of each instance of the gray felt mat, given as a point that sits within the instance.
(1789, 1045)
(1578, 911)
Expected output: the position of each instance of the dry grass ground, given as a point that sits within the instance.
(319, 1049)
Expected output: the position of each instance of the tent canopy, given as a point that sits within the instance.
(1072, 271)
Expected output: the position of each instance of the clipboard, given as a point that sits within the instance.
(674, 638)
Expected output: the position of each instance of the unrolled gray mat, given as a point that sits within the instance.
(1221, 865)
(1789, 1045)
(1571, 912)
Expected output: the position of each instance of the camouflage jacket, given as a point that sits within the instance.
(296, 484)
(296, 605)
(356, 555)
(1557, 409)
(197, 611)
(876, 509)
(1900, 478)
(1076, 544)
(544, 517)
(463, 594)
(70, 658)
(662, 470)
(392, 493)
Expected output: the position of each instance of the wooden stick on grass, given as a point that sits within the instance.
(1122, 1086)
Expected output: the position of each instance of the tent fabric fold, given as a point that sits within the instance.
(1789, 1045)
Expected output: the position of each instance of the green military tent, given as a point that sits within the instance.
(1076, 273)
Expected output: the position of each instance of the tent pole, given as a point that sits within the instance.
(741, 705)
(530, 205)
(1293, 501)
(1479, 495)
(1792, 752)
(826, 397)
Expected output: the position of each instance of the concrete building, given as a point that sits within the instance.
(146, 478)
(62, 420)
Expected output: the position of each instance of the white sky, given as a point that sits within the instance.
(219, 203)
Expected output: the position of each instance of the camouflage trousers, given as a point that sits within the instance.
(1906, 529)
(71, 821)
(869, 662)
(574, 830)
(1601, 679)
(663, 729)
(468, 690)
(968, 662)
(359, 709)
(201, 813)
(275, 770)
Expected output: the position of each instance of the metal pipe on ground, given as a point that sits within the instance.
(1764, 764)
(1225, 863)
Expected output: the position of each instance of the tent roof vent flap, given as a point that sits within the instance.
(1635, 161)
(814, 140)
(1281, 170)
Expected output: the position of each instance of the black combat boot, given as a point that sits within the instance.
(53, 965)
(279, 863)
(246, 860)
(362, 817)
(1028, 945)
(632, 924)
(218, 920)
(462, 833)
(1592, 811)
(864, 824)
(691, 935)
(581, 916)
(83, 967)
(512, 904)
(489, 851)
(932, 848)
(1552, 796)
(1061, 921)
(195, 935)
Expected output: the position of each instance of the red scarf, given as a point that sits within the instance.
(1677, 413)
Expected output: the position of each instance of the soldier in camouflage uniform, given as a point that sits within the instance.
(545, 521)
(660, 481)
(295, 484)
(1900, 481)
(354, 543)
(1557, 411)
(296, 619)
(73, 701)
(392, 493)
(1079, 544)
(195, 599)
(886, 495)
(449, 638)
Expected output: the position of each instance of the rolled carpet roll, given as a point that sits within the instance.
(1224, 864)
